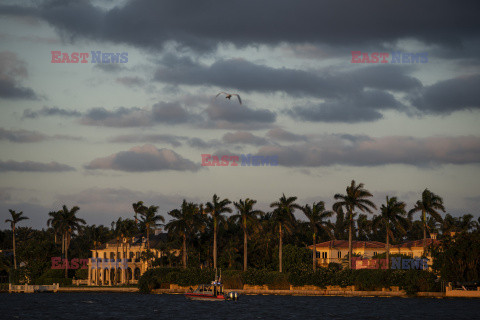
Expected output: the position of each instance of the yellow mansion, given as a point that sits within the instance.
(337, 250)
(128, 263)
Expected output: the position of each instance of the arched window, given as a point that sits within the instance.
(136, 274)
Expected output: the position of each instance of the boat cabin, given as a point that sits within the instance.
(209, 289)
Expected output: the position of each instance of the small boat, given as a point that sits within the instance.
(211, 292)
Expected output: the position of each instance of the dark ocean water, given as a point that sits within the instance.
(137, 306)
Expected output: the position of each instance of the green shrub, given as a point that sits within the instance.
(232, 279)
(368, 279)
(154, 278)
(81, 274)
(260, 277)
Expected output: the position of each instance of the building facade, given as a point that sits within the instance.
(123, 258)
(336, 251)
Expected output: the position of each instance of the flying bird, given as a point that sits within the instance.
(229, 95)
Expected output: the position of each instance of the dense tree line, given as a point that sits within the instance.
(235, 235)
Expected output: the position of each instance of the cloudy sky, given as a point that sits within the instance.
(104, 134)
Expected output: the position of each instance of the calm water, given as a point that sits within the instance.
(97, 306)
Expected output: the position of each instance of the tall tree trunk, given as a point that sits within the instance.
(424, 233)
(124, 266)
(314, 252)
(115, 280)
(63, 244)
(350, 240)
(215, 243)
(148, 245)
(280, 248)
(96, 267)
(388, 248)
(66, 256)
(14, 250)
(184, 251)
(245, 246)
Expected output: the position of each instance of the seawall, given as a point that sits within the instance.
(294, 291)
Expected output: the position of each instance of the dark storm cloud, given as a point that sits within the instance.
(232, 112)
(27, 136)
(172, 113)
(284, 135)
(202, 25)
(50, 111)
(202, 144)
(143, 159)
(247, 76)
(12, 90)
(119, 117)
(450, 95)
(131, 81)
(363, 107)
(243, 137)
(368, 151)
(162, 112)
(174, 141)
(385, 77)
(31, 166)
(21, 136)
(12, 71)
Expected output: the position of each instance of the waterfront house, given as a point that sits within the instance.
(336, 251)
(129, 264)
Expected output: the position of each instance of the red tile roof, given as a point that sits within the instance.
(417, 243)
(337, 244)
(344, 244)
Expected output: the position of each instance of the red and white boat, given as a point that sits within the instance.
(207, 292)
(211, 292)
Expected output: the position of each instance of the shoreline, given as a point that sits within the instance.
(326, 293)
(294, 292)
(401, 294)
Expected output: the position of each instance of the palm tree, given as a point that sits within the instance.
(150, 220)
(95, 236)
(245, 214)
(138, 208)
(283, 216)
(354, 198)
(216, 208)
(187, 221)
(117, 230)
(341, 224)
(66, 223)
(16, 218)
(317, 215)
(392, 217)
(466, 222)
(429, 204)
(364, 228)
(54, 221)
